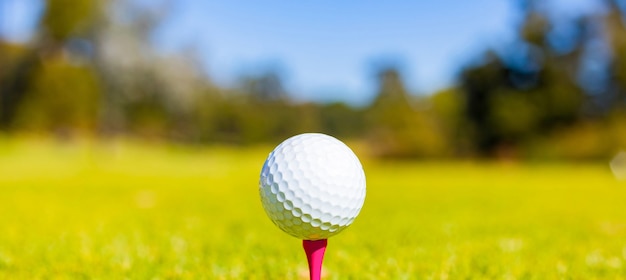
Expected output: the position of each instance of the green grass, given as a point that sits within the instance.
(136, 211)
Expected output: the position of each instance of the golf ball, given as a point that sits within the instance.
(312, 186)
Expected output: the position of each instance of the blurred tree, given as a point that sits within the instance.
(16, 70)
(397, 128)
(65, 19)
(265, 104)
(343, 121)
(447, 107)
(146, 93)
(529, 88)
(63, 98)
(615, 27)
(24, 86)
(478, 84)
(264, 88)
(268, 114)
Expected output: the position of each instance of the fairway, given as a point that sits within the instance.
(124, 210)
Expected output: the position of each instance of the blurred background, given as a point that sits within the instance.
(517, 79)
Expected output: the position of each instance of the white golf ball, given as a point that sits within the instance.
(312, 186)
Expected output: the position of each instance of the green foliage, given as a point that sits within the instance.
(10, 55)
(342, 120)
(397, 126)
(88, 71)
(66, 18)
(513, 115)
(62, 96)
(448, 105)
(122, 210)
(589, 140)
(532, 90)
(147, 116)
(16, 61)
(617, 129)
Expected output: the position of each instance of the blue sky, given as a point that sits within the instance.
(18, 18)
(325, 49)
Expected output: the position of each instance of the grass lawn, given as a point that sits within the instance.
(130, 210)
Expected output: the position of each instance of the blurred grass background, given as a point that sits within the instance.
(118, 161)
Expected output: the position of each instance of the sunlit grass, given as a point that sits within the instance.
(113, 210)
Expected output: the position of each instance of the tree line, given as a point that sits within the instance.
(558, 90)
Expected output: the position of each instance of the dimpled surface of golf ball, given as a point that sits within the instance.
(312, 186)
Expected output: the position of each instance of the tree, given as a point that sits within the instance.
(615, 26)
(397, 128)
(24, 94)
(529, 88)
